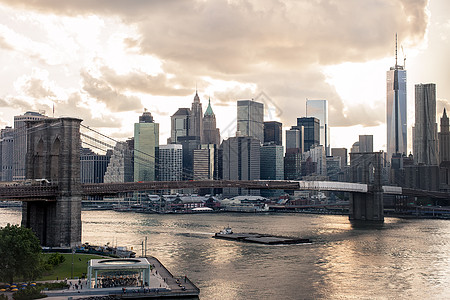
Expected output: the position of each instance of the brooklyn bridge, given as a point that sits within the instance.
(52, 195)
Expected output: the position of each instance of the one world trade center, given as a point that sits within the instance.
(396, 113)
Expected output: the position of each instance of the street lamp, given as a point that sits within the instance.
(73, 253)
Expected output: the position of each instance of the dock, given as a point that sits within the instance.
(260, 238)
(163, 285)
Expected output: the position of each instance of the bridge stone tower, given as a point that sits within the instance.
(367, 168)
(53, 153)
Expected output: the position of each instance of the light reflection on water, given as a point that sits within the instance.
(400, 259)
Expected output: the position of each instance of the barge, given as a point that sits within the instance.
(257, 238)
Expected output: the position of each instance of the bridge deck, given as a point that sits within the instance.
(51, 192)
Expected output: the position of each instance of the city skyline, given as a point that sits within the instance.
(105, 64)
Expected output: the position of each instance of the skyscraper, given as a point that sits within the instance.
(250, 119)
(211, 134)
(146, 144)
(319, 110)
(396, 114)
(273, 132)
(179, 122)
(365, 143)
(293, 156)
(93, 165)
(342, 153)
(240, 161)
(425, 148)
(170, 162)
(311, 129)
(271, 166)
(444, 139)
(196, 118)
(120, 167)
(6, 153)
(206, 164)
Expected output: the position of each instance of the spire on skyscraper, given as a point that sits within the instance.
(196, 97)
(396, 50)
(209, 111)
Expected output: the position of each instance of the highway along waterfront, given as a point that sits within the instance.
(400, 259)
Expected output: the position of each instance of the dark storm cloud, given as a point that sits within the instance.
(102, 91)
(279, 46)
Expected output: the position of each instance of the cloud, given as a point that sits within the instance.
(103, 92)
(138, 81)
(4, 44)
(440, 105)
(276, 46)
(74, 107)
(17, 103)
(237, 36)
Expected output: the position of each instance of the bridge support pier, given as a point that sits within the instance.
(366, 207)
(53, 153)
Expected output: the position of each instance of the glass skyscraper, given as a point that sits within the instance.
(319, 110)
(396, 113)
(146, 144)
(250, 119)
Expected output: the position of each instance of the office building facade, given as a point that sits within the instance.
(170, 166)
(273, 132)
(271, 166)
(7, 154)
(365, 143)
(250, 119)
(240, 161)
(311, 130)
(425, 147)
(146, 144)
(179, 122)
(120, 167)
(342, 153)
(294, 150)
(272, 162)
(319, 110)
(317, 155)
(294, 138)
(206, 164)
(93, 166)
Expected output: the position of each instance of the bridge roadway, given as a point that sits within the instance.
(50, 192)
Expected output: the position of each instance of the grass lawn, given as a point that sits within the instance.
(64, 270)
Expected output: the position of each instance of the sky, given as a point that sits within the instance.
(105, 61)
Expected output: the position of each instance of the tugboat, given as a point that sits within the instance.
(226, 230)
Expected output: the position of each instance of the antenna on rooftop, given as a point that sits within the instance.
(396, 50)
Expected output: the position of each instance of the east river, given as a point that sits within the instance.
(402, 259)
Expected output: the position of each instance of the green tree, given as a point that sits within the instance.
(20, 254)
